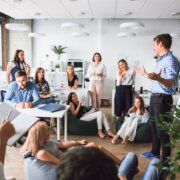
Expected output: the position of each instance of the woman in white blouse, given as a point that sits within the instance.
(124, 88)
(96, 73)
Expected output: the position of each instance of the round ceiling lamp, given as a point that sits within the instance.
(17, 27)
(75, 26)
(36, 35)
(175, 35)
(131, 25)
(80, 34)
(126, 34)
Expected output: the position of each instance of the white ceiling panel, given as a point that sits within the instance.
(154, 8)
(103, 8)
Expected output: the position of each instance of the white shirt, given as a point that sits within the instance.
(127, 79)
(93, 69)
(2, 172)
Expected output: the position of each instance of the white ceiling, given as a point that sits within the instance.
(56, 9)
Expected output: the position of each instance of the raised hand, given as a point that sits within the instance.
(155, 76)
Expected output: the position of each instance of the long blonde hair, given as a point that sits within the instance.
(37, 136)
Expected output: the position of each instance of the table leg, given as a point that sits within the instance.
(58, 128)
(65, 126)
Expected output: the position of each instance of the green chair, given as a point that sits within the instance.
(143, 134)
(79, 127)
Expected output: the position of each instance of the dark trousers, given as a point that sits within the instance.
(123, 99)
(160, 104)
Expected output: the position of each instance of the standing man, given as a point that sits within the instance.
(164, 83)
(22, 93)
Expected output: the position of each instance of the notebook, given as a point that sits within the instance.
(52, 107)
(91, 111)
(22, 122)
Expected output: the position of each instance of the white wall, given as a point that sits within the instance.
(103, 38)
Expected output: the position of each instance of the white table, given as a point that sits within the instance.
(42, 113)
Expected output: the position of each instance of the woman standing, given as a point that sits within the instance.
(44, 90)
(124, 88)
(17, 64)
(96, 73)
(72, 78)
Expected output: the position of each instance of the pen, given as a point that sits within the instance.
(9, 114)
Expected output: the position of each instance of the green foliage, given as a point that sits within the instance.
(58, 49)
(57, 66)
(173, 129)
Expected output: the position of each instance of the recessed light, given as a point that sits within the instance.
(127, 13)
(36, 35)
(126, 34)
(73, 0)
(17, 27)
(131, 25)
(175, 13)
(75, 26)
(17, 1)
(82, 13)
(80, 34)
(37, 14)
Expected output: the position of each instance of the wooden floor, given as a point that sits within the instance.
(14, 161)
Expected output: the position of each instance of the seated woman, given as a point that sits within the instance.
(39, 145)
(138, 115)
(78, 111)
(72, 78)
(43, 87)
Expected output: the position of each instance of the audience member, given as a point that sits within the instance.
(96, 73)
(138, 115)
(164, 83)
(6, 131)
(72, 77)
(79, 111)
(45, 94)
(22, 93)
(17, 64)
(124, 88)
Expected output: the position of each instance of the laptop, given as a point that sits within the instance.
(52, 107)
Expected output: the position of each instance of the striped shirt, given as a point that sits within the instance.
(170, 67)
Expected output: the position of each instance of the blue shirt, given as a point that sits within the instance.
(170, 70)
(15, 94)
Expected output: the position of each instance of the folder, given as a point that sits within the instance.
(52, 107)
(22, 122)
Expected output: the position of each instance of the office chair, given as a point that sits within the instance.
(3, 95)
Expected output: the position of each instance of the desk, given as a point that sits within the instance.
(146, 98)
(41, 113)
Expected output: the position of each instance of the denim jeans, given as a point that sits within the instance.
(128, 165)
(152, 173)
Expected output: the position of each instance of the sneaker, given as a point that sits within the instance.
(149, 155)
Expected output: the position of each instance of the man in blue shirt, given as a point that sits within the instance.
(22, 93)
(164, 83)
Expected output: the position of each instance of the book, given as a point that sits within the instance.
(22, 122)
(52, 107)
(91, 111)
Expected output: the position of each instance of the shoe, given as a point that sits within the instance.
(149, 155)
(101, 135)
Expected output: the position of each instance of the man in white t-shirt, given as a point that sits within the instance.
(6, 131)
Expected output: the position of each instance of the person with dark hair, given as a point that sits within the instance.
(45, 94)
(137, 115)
(6, 131)
(90, 163)
(124, 88)
(22, 93)
(164, 83)
(96, 73)
(79, 111)
(17, 64)
(72, 77)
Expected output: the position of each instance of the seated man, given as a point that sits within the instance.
(6, 131)
(22, 93)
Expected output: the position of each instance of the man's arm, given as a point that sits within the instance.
(9, 96)
(36, 98)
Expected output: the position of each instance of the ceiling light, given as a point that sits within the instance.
(17, 1)
(73, 0)
(75, 26)
(175, 35)
(175, 13)
(131, 25)
(17, 27)
(82, 13)
(35, 35)
(37, 14)
(126, 34)
(127, 13)
(80, 34)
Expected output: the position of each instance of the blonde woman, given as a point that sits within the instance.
(72, 77)
(40, 146)
(124, 88)
(96, 73)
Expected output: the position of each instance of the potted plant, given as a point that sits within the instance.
(57, 67)
(59, 49)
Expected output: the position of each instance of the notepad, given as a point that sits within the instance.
(22, 122)
(52, 107)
